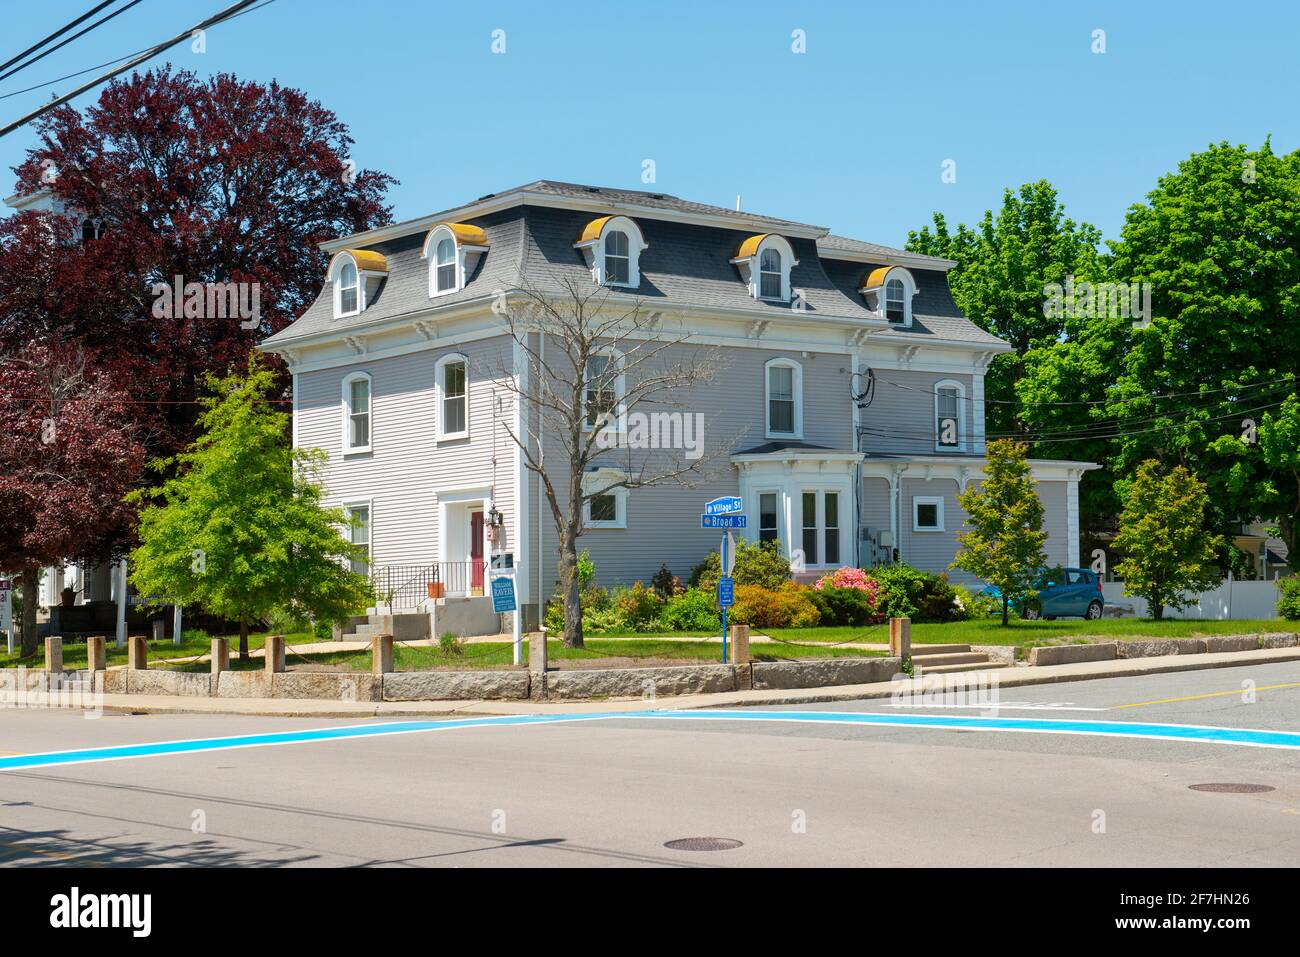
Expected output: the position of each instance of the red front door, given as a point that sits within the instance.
(476, 550)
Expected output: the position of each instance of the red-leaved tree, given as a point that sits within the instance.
(215, 180)
(68, 455)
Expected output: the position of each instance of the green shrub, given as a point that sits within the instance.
(666, 584)
(449, 643)
(586, 569)
(908, 592)
(762, 564)
(694, 610)
(1288, 602)
(788, 606)
(976, 605)
(844, 606)
(637, 604)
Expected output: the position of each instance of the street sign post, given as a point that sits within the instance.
(722, 521)
(726, 511)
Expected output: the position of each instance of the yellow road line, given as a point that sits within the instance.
(1196, 697)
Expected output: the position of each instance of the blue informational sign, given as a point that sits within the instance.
(722, 521)
(503, 594)
(725, 505)
(726, 592)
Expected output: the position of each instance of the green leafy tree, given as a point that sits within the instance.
(1004, 546)
(1004, 265)
(239, 528)
(1167, 553)
(1218, 241)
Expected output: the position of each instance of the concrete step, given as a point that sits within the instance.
(924, 651)
(958, 658)
(952, 669)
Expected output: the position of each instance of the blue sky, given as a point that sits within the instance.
(851, 134)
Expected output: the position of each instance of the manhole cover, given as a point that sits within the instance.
(1232, 788)
(702, 844)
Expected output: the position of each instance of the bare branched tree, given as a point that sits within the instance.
(585, 361)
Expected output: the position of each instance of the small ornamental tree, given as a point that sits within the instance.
(1005, 543)
(1162, 535)
(240, 529)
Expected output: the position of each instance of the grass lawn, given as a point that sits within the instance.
(193, 643)
(990, 631)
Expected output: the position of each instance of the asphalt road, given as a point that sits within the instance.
(611, 792)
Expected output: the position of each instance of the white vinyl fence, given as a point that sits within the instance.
(1231, 600)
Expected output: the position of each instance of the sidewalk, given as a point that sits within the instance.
(1005, 678)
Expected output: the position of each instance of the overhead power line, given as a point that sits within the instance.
(106, 63)
(58, 46)
(58, 33)
(151, 52)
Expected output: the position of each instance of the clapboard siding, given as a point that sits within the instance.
(407, 467)
(663, 522)
(901, 416)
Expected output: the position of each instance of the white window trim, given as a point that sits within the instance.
(758, 494)
(440, 434)
(796, 384)
(336, 279)
(465, 257)
(821, 491)
(909, 293)
(346, 396)
(598, 482)
(369, 505)
(751, 268)
(919, 500)
(620, 391)
(593, 251)
(961, 416)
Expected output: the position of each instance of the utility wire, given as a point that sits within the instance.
(59, 46)
(153, 51)
(100, 66)
(1288, 380)
(58, 33)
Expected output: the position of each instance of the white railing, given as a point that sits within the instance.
(1232, 600)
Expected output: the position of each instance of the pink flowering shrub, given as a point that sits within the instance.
(846, 577)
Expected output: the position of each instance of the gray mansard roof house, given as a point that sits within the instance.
(397, 365)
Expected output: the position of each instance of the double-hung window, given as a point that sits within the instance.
(453, 397)
(356, 413)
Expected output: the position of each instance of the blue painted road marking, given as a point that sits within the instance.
(1195, 734)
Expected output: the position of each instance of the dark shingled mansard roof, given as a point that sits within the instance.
(687, 264)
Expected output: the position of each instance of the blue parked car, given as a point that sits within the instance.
(1062, 593)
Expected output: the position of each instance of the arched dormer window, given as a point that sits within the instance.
(612, 247)
(765, 262)
(783, 395)
(357, 416)
(949, 415)
(349, 290)
(355, 275)
(889, 291)
(453, 251)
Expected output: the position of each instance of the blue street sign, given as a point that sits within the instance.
(726, 592)
(724, 505)
(722, 521)
(503, 594)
